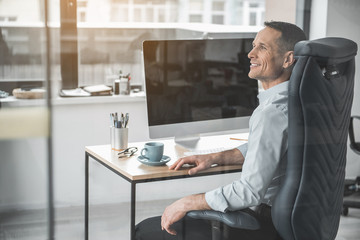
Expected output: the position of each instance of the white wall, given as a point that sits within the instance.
(85, 124)
(340, 18)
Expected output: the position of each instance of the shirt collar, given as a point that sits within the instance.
(281, 87)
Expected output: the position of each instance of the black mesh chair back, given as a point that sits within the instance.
(309, 203)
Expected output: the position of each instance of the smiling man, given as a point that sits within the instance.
(263, 157)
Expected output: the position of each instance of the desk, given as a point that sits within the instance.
(135, 172)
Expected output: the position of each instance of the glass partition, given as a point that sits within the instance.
(108, 39)
(25, 136)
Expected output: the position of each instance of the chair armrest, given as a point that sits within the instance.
(236, 219)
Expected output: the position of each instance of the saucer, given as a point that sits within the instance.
(145, 161)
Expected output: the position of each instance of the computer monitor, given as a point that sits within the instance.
(198, 86)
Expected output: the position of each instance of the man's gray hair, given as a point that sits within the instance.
(290, 34)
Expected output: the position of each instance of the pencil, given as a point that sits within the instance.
(239, 139)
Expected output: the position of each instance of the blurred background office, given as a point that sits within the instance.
(54, 45)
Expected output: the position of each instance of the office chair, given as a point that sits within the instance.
(352, 186)
(309, 202)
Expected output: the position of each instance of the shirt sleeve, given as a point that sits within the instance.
(243, 149)
(266, 145)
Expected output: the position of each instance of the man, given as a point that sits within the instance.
(263, 157)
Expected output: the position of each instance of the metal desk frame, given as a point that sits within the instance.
(133, 190)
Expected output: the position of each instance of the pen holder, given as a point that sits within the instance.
(118, 138)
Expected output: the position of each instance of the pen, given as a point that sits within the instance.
(119, 121)
(126, 119)
(112, 119)
(239, 139)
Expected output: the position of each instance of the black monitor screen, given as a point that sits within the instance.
(196, 80)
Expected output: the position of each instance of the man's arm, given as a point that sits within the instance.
(203, 162)
(266, 154)
(178, 209)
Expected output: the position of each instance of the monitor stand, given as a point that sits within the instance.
(189, 141)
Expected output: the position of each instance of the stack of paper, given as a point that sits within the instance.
(98, 90)
(78, 92)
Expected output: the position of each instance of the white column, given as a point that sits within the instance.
(246, 13)
(131, 11)
(207, 11)
(319, 10)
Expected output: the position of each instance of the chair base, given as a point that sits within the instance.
(349, 204)
(351, 201)
(219, 230)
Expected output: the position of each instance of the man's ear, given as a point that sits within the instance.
(289, 59)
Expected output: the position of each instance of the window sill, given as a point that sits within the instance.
(136, 97)
(58, 101)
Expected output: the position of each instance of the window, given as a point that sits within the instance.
(254, 5)
(161, 15)
(252, 21)
(12, 19)
(218, 6)
(253, 12)
(107, 53)
(152, 2)
(195, 18)
(196, 5)
(138, 15)
(81, 4)
(217, 19)
(82, 17)
(118, 1)
(8, 19)
(119, 14)
(149, 13)
(105, 44)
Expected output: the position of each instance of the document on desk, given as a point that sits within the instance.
(77, 92)
(98, 90)
(211, 145)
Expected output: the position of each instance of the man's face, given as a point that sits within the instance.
(265, 57)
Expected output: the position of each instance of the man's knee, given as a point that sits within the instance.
(187, 229)
(148, 229)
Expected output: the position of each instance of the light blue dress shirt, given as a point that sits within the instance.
(265, 156)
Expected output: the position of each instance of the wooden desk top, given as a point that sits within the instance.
(132, 169)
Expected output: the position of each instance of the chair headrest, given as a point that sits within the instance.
(325, 50)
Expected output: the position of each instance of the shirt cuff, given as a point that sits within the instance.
(243, 149)
(216, 200)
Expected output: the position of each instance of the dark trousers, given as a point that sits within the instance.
(196, 229)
